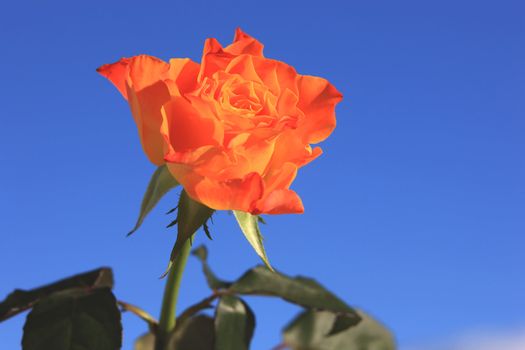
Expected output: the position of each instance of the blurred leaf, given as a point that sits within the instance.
(142, 314)
(249, 225)
(299, 290)
(196, 333)
(74, 320)
(309, 331)
(213, 282)
(20, 300)
(160, 183)
(190, 217)
(234, 324)
(145, 342)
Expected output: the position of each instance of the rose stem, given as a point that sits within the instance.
(171, 293)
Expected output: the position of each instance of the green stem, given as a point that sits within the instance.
(171, 294)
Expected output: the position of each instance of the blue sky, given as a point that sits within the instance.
(415, 212)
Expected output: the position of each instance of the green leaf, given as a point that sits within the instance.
(249, 225)
(20, 300)
(190, 217)
(160, 183)
(197, 333)
(309, 331)
(74, 320)
(145, 342)
(140, 313)
(299, 290)
(213, 282)
(234, 324)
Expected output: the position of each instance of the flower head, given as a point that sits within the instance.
(234, 129)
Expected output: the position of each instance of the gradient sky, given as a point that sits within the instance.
(415, 212)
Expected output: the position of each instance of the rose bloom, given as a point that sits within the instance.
(232, 130)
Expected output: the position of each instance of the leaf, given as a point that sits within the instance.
(249, 225)
(74, 320)
(213, 282)
(299, 290)
(197, 333)
(145, 342)
(160, 183)
(140, 313)
(190, 217)
(309, 331)
(234, 324)
(20, 300)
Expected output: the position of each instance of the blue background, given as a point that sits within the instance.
(415, 212)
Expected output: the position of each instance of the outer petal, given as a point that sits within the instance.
(140, 79)
(182, 76)
(117, 73)
(280, 178)
(317, 99)
(235, 194)
(290, 148)
(280, 202)
(248, 158)
(244, 44)
(146, 70)
(278, 199)
(145, 107)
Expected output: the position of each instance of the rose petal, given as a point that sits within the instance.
(235, 194)
(277, 75)
(117, 73)
(243, 65)
(140, 79)
(290, 148)
(280, 178)
(317, 100)
(146, 70)
(244, 44)
(184, 128)
(248, 158)
(280, 202)
(182, 75)
(138, 71)
(213, 59)
(145, 107)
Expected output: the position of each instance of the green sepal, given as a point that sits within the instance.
(191, 215)
(161, 182)
(249, 225)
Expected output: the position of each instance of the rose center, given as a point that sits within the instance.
(241, 97)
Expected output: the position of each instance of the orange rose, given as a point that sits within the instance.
(232, 130)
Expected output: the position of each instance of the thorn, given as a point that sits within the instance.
(207, 230)
(173, 223)
(167, 270)
(172, 210)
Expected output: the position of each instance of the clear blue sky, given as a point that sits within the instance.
(415, 212)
